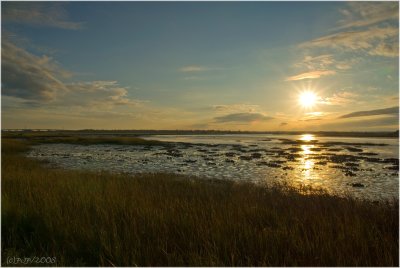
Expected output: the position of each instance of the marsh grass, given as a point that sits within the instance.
(77, 138)
(95, 218)
(100, 140)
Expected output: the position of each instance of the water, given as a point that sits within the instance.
(361, 167)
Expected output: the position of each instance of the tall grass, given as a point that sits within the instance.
(92, 219)
(55, 137)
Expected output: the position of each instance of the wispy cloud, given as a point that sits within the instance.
(354, 40)
(310, 75)
(234, 108)
(30, 77)
(384, 123)
(242, 118)
(360, 14)
(385, 111)
(340, 98)
(40, 80)
(38, 14)
(365, 28)
(386, 49)
(313, 116)
(193, 68)
(324, 62)
(99, 94)
(343, 65)
(316, 62)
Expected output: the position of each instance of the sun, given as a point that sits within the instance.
(308, 99)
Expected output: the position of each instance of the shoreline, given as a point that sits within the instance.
(350, 134)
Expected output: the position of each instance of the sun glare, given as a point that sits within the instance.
(307, 99)
(307, 137)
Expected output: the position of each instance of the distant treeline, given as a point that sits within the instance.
(208, 132)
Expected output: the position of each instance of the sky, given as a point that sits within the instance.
(200, 65)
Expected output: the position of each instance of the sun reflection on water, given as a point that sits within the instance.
(307, 164)
(307, 137)
(307, 168)
(306, 149)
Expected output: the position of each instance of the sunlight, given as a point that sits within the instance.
(307, 137)
(307, 163)
(306, 149)
(308, 99)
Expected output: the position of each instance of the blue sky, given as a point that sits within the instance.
(200, 65)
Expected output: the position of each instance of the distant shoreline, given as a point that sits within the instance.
(381, 134)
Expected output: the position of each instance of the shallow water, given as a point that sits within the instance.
(361, 167)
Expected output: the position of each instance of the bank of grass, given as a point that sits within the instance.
(91, 219)
(76, 138)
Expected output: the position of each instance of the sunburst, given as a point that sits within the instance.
(308, 99)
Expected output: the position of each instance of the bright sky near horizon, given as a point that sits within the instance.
(201, 65)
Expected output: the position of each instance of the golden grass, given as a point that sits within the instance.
(94, 218)
(76, 138)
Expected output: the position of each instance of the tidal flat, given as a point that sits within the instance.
(360, 167)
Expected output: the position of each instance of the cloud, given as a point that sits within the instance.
(232, 108)
(38, 14)
(311, 75)
(105, 94)
(386, 49)
(310, 119)
(312, 116)
(242, 118)
(384, 123)
(39, 80)
(193, 68)
(317, 62)
(340, 98)
(391, 110)
(30, 77)
(360, 14)
(323, 62)
(198, 69)
(367, 40)
(283, 124)
(365, 27)
(343, 66)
